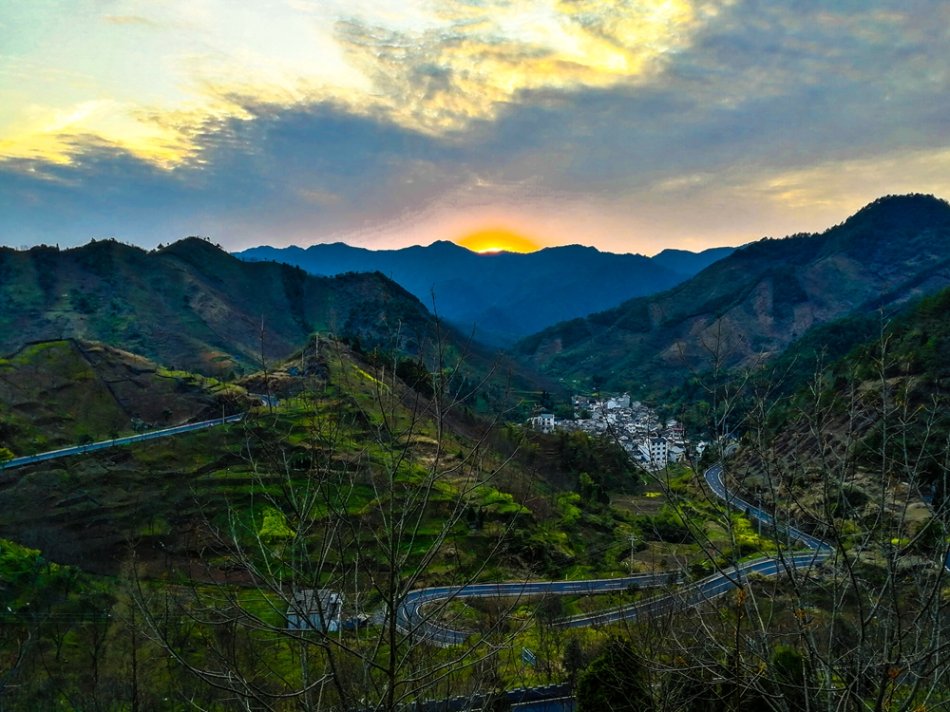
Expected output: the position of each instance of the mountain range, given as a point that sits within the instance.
(190, 304)
(756, 301)
(504, 296)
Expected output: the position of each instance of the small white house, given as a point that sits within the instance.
(676, 453)
(619, 402)
(315, 609)
(543, 422)
(656, 452)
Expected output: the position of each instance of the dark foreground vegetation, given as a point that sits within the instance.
(164, 575)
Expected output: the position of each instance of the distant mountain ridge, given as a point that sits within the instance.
(756, 301)
(689, 263)
(503, 296)
(191, 305)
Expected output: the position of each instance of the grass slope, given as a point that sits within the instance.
(308, 490)
(165, 494)
(58, 393)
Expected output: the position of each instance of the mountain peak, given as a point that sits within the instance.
(98, 247)
(575, 247)
(192, 245)
(910, 210)
(755, 302)
(445, 245)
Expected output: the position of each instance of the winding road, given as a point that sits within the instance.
(714, 479)
(414, 613)
(414, 620)
(411, 618)
(117, 442)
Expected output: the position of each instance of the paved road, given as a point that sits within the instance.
(104, 444)
(720, 583)
(706, 589)
(412, 619)
(714, 479)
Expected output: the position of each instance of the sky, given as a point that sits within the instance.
(628, 125)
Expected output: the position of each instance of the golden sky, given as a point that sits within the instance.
(497, 239)
(146, 76)
(631, 125)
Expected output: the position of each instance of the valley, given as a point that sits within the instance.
(474, 357)
(502, 297)
(756, 302)
(335, 501)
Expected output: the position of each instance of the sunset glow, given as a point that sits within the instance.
(628, 126)
(498, 240)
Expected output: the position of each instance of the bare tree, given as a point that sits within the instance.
(356, 492)
(866, 629)
(845, 467)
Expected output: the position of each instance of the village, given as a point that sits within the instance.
(652, 444)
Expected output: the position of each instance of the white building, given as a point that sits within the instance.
(315, 609)
(543, 422)
(655, 452)
(618, 402)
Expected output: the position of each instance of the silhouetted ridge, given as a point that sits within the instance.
(755, 302)
(191, 304)
(916, 211)
(502, 295)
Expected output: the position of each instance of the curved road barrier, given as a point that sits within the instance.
(118, 442)
(546, 697)
(412, 620)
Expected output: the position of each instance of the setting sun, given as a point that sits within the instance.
(497, 240)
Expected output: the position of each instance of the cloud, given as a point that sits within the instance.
(857, 181)
(311, 168)
(669, 121)
(792, 91)
(485, 56)
(138, 20)
(59, 135)
(429, 69)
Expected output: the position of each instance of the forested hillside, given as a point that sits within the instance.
(754, 303)
(192, 305)
(504, 296)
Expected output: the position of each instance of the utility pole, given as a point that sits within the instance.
(270, 401)
(633, 544)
